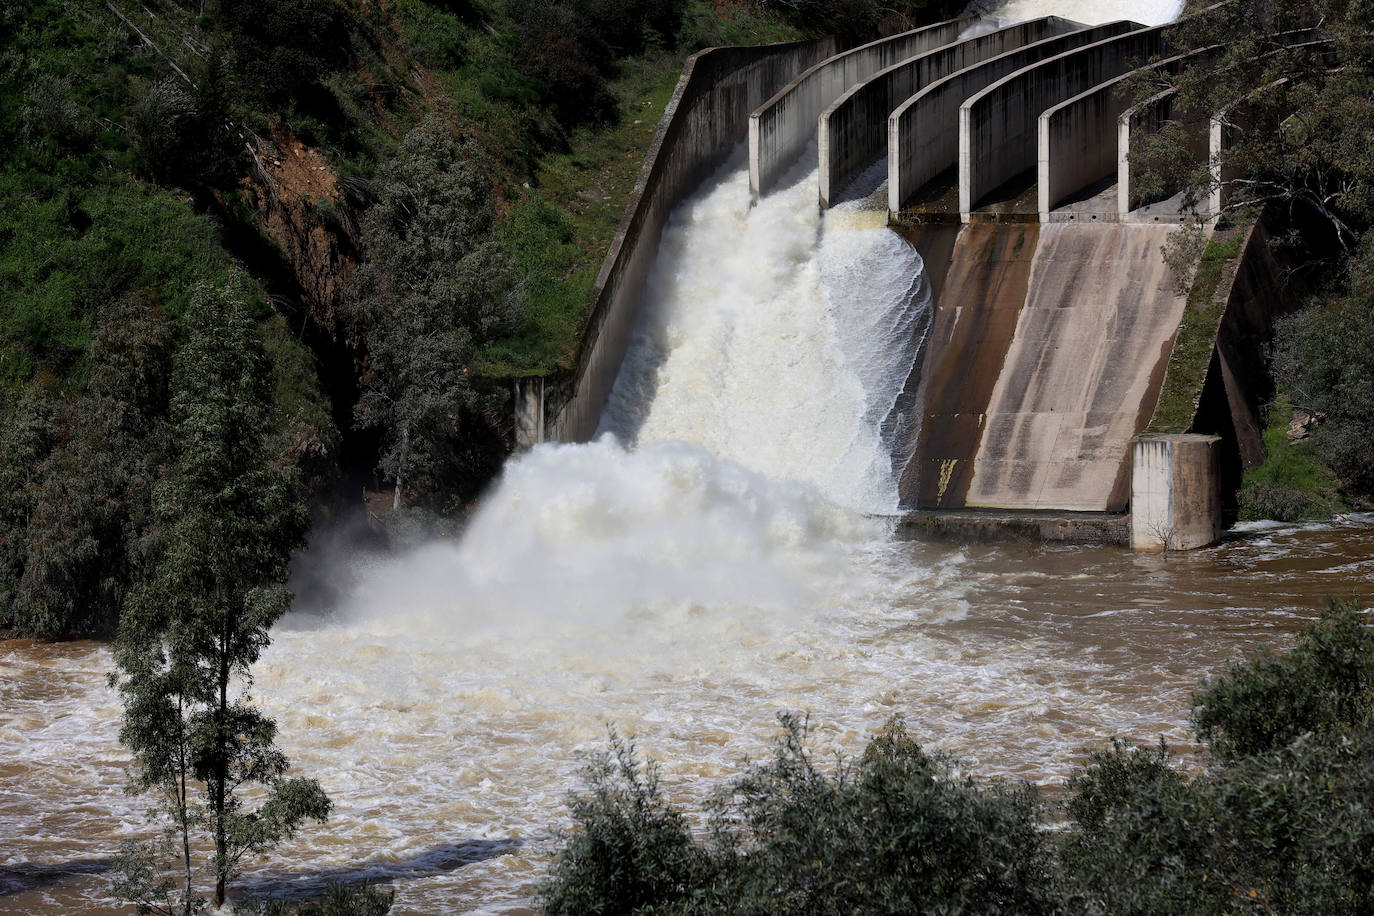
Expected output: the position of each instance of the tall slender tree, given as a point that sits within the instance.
(435, 288)
(194, 625)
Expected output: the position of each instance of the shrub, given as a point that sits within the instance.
(896, 830)
(1324, 685)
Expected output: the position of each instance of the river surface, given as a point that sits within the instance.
(712, 560)
(445, 739)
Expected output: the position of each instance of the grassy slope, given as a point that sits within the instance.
(563, 219)
(1197, 334)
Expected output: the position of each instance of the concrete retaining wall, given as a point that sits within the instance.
(923, 132)
(1078, 138)
(703, 122)
(998, 126)
(783, 126)
(853, 130)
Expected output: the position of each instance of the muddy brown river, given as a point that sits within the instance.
(449, 740)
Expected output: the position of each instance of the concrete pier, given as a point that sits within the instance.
(1079, 138)
(998, 126)
(1175, 492)
(781, 127)
(852, 131)
(923, 132)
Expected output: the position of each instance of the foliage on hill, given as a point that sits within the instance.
(1280, 821)
(1293, 83)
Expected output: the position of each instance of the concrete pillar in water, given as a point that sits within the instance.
(528, 395)
(1175, 492)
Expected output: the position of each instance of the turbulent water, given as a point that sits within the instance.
(711, 560)
(1092, 12)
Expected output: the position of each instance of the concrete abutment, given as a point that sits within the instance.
(1175, 492)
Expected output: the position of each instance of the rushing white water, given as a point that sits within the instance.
(1091, 12)
(777, 337)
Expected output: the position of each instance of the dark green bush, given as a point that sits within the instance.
(340, 900)
(1324, 686)
(1282, 822)
(896, 831)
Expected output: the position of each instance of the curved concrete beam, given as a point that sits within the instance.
(852, 131)
(1078, 138)
(998, 136)
(781, 127)
(1143, 119)
(1149, 117)
(923, 132)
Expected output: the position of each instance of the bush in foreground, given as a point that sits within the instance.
(1281, 821)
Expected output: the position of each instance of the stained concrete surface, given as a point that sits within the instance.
(1082, 372)
(982, 293)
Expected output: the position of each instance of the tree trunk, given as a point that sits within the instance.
(183, 765)
(221, 776)
(405, 456)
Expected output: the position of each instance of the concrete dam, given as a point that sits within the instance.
(1010, 349)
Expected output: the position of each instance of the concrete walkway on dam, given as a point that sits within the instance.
(1046, 357)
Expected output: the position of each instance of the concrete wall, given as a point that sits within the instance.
(998, 126)
(1136, 124)
(783, 125)
(853, 130)
(1175, 492)
(1078, 138)
(703, 122)
(923, 132)
(1267, 283)
(1082, 373)
(1046, 356)
(1205, 139)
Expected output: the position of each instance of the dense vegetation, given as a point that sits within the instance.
(1279, 821)
(1294, 81)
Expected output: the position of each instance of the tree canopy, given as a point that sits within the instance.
(198, 617)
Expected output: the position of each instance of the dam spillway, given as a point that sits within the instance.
(991, 122)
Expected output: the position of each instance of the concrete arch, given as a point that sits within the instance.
(1078, 139)
(922, 132)
(782, 126)
(852, 131)
(998, 124)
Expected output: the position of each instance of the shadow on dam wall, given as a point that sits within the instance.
(979, 277)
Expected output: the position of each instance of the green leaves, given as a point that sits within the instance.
(1324, 686)
(436, 286)
(1283, 822)
(227, 521)
(896, 831)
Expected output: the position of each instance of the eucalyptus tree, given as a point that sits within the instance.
(435, 287)
(227, 519)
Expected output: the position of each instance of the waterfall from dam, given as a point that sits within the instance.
(1090, 12)
(778, 338)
